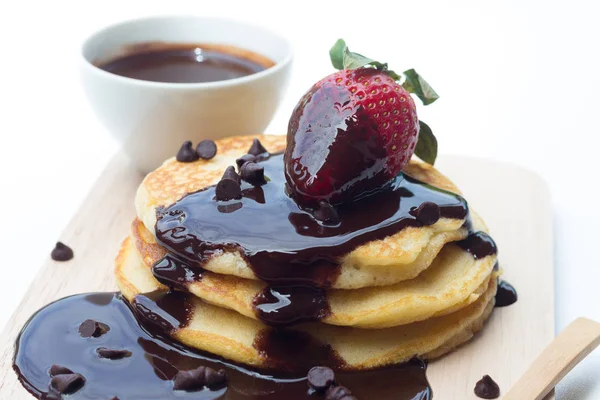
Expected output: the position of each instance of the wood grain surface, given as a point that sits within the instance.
(516, 206)
(514, 202)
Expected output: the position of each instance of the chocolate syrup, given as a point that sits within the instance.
(289, 305)
(174, 273)
(506, 294)
(51, 338)
(479, 244)
(168, 311)
(276, 306)
(185, 63)
(291, 350)
(283, 243)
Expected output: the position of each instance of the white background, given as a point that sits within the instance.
(519, 81)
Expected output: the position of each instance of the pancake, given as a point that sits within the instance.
(395, 258)
(228, 334)
(454, 280)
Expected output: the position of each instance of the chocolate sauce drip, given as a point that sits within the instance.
(292, 350)
(174, 273)
(276, 306)
(167, 310)
(506, 294)
(479, 244)
(288, 305)
(285, 244)
(51, 338)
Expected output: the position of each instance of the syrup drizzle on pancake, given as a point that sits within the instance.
(175, 273)
(283, 243)
(274, 305)
(289, 305)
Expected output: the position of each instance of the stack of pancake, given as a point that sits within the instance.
(419, 292)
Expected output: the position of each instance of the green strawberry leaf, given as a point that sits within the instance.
(415, 83)
(355, 60)
(336, 53)
(427, 146)
(343, 58)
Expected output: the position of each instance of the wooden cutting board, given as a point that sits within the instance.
(514, 202)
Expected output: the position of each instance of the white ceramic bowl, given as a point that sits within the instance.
(153, 119)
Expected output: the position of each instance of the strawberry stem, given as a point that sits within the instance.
(343, 58)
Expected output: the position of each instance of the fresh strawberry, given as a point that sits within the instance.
(351, 133)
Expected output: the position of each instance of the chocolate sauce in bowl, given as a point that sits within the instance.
(51, 337)
(185, 63)
(283, 243)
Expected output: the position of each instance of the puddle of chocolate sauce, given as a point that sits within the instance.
(283, 243)
(51, 337)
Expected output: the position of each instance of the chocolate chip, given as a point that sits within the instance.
(187, 153)
(231, 174)
(67, 383)
(427, 213)
(228, 189)
(112, 354)
(486, 388)
(61, 252)
(257, 148)
(90, 328)
(59, 370)
(327, 214)
(320, 378)
(206, 149)
(196, 379)
(253, 173)
(339, 393)
(244, 159)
